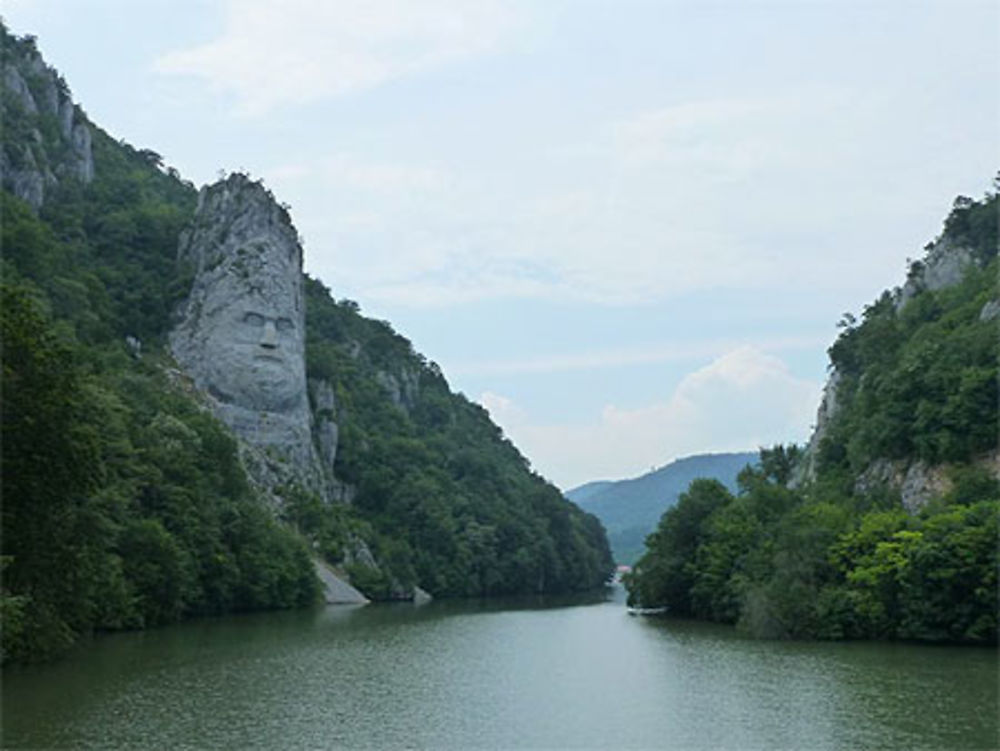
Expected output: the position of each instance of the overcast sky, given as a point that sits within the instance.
(627, 228)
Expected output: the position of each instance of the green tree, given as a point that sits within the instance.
(50, 462)
(665, 574)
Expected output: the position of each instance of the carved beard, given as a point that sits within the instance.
(269, 388)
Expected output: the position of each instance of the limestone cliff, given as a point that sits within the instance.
(944, 265)
(825, 414)
(46, 138)
(240, 335)
(916, 466)
(917, 481)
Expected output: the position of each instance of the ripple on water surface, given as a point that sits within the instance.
(535, 673)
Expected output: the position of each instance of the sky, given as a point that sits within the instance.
(627, 228)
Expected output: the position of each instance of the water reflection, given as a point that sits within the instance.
(518, 673)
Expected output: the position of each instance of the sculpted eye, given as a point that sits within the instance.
(254, 319)
(284, 324)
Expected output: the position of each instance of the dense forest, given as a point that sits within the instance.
(454, 505)
(832, 555)
(125, 503)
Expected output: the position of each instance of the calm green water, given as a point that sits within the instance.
(509, 675)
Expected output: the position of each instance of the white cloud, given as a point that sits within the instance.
(353, 173)
(731, 136)
(21, 6)
(740, 401)
(279, 52)
(717, 194)
(747, 184)
(662, 352)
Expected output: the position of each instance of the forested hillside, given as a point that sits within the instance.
(125, 503)
(832, 552)
(455, 506)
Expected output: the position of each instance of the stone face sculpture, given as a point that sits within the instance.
(241, 332)
(240, 336)
(251, 328)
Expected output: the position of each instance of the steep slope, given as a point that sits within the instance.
(915, 378)
(630, 509)
(46, 137)
(454, 506)
(128, 503)
(886, 526)
(124, 504)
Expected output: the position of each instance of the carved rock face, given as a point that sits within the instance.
(254, 347)
(241, 334)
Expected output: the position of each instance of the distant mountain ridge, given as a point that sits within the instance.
(588, 490)
(630, 509)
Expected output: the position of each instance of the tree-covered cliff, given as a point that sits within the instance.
(127, 504)
(886, 525)
(455, 506)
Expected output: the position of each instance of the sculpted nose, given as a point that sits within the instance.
(269, 338)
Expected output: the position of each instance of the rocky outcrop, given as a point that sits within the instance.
(402, 388)
(240, 335)
(240, 339)
(50, 138)
(990, 311)
(336, 591)
(325, 429)
(806, 470)
(326, 438)
(916, 481)
(944, 266)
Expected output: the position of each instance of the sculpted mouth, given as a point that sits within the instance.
(270, 358)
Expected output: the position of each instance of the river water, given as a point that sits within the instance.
(509, 674)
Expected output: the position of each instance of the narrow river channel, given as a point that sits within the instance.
(508, 674)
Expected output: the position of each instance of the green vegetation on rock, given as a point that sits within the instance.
(454, 506)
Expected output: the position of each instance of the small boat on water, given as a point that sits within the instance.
(646, 611)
